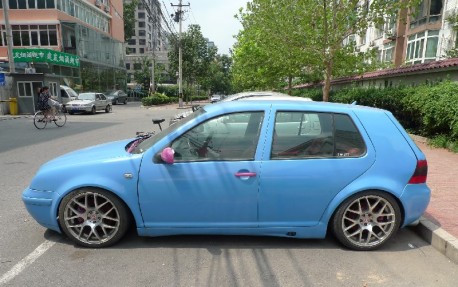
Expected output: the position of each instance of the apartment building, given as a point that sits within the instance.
(80, 41)
(421, 46)
(149, 39)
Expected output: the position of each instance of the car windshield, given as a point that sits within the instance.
(146, 144)
(86, 96)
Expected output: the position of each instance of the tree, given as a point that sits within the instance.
(196, 55)
(286, 39)
(142, 73)
(129, 18)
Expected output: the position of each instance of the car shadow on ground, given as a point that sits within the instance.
(404, 240)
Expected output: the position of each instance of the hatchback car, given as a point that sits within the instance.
(116, 97)
(215, 98)
(89, 103)
(277, 168)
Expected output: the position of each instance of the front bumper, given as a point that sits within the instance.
(41, 205)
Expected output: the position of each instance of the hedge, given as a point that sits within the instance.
(426, 110)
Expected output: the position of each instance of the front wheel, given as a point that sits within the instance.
(93, 110)
(60, 118)
(108, 109)
(93, 217)
(39, 120)
(367, 220)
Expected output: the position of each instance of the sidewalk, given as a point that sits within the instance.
(439, 225)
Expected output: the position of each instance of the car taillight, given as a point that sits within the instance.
(420, 173)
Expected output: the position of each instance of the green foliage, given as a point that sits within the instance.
(158, 99)
(427, 110)
(290, 39)
(129, 19)
(143, 75)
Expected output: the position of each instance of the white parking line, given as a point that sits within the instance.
(18, 268)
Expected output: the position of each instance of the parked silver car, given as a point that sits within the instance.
(89, 103)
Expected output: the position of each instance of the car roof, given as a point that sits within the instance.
(271, 98)
(243, 95)
(292, 103)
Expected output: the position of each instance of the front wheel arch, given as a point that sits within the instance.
(129, 218)
(335, 217)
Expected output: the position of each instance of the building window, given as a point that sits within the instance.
(141, 15)
(141, 41)
(429, 11)
(422, 47)
(387, 53)
(141, 33)
(32, 35)
(141, 24)
(127, 66)
(132, 42)
(131, 51)
(142, 50)
(137, 66)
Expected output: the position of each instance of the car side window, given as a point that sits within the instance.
(228, 137)
(299, 135)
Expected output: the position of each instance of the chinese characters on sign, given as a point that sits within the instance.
(46, 55)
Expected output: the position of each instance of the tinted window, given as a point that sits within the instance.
(229, 137)
(312, 135)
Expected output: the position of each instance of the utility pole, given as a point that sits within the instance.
(179, 19)
(9, 35)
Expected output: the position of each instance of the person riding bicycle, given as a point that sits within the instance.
(46, 103)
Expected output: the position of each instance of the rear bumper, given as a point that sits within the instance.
(415, 199)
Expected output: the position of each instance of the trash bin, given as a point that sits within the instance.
(13, 106)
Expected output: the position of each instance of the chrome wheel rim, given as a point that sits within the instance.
(369, 221)
(91, 218)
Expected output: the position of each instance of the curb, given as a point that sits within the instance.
(440, 239)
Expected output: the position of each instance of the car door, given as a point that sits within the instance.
(100, 101)
(312, 157)
(214, 180)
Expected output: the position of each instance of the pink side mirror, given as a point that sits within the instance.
(168, 155)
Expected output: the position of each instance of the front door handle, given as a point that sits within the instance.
(245, 174)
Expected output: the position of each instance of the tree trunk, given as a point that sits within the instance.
(290, 85)
(327, 82)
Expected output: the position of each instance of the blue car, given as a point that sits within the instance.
(278, 168)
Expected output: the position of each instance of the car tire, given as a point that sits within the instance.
(115, 102)
(108, 109)
(70, 113)
(93, 110)
(367, 220)
(93, 217)
(125, 102)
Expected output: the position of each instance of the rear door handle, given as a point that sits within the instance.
(245, 174)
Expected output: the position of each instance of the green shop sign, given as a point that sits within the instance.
(45, 55)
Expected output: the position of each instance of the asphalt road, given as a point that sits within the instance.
(30, 255)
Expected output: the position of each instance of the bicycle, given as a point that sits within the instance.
(42, 118)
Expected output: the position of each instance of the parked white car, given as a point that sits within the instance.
(67, 94)
(89, 103)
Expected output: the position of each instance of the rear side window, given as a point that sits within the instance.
(300, 135)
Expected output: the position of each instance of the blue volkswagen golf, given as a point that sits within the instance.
(277, 168)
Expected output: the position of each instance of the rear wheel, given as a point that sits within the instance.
(93, 217)
(39, 120)
(367, 220)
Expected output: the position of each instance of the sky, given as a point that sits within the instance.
(216, 19)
